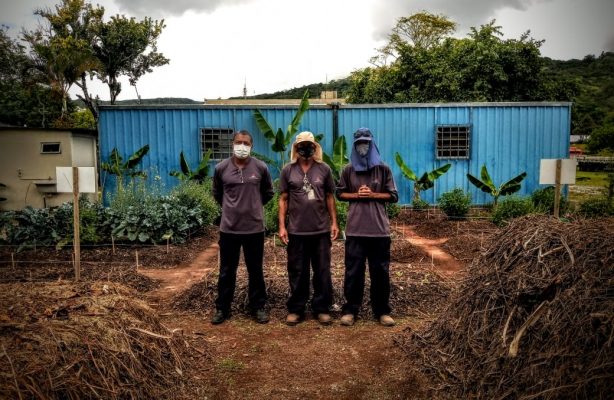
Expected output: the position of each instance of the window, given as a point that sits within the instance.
(453, 141)
(50, 148)
(219, 140)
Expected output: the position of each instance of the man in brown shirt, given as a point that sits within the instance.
(307, 201)
(367, 183)
(241, 185)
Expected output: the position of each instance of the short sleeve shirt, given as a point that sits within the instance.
(368, 217)
(242, 192)
(307, 210)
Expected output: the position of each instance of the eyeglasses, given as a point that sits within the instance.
(362, 133)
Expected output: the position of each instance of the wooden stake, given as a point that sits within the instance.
(13, 260)
(113, 244)
(557, 188)
(167, 241)
(75, 208)
(274, 253)
(137, 260)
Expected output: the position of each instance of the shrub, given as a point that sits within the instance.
(419, 204)
(393, 210)
(596, 207)
(455, 204)
(192, 194)
(512, 207)
(543, 200)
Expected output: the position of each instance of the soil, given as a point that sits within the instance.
(308, 361)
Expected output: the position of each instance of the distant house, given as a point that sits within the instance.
(509, 138)
(28, 158)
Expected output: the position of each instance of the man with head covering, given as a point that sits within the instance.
(367, 183)
(241, 185)
(307, 223)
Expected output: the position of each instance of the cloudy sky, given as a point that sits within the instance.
(215, 46)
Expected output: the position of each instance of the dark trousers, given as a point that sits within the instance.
(358, 250)
(253, 249)
(304, 250)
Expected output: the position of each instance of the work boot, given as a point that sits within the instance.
(347, 320)
(219, 317)
(386, 320)
(261, 316)
(293, 319)
(325, 319)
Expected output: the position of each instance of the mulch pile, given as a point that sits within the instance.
(416, 289)
(534, 318)
(89, 340)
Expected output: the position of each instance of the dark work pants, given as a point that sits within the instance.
(304, 250)
(253, 249)
(359, 249)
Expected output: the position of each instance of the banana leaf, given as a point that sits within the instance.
(185, 167)
(481, 185)
(293, 127)
(409, 174)
(137, 157)
(264, 126)
(509, 187)
(280, 142)
(486, 178)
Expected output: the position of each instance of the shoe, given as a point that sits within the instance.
(219, 317)
(261, 316)
(347, 320)
(386, 320)
(325, 319)
(293, 319)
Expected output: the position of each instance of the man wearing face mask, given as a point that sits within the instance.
(242, 186)
(307, 200)
(367, 183)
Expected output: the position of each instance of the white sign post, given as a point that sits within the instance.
(558, 172)
(75, 180)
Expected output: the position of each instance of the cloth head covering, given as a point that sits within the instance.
(369, 160)
(305, 137)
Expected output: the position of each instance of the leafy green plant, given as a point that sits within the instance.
(393, 210)
(338, 159)
(455, 204)
(420, 204)
(512, 207)
(425, 182)
(486, 184)
(279, 140)
(120, 168)
(187, 174)
(543, 200)
(193, 194)
(596, 207)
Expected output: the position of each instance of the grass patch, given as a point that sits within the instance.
(231, 365)
(586, 178)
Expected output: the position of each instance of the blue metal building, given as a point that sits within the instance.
(508, 138)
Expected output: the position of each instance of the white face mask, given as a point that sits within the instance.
(241, 151)
(362, 149)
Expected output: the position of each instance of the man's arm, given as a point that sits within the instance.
(217, 188)
(266, 187)
(283, 210)
(332, 211)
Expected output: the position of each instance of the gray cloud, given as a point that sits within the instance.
(165, 8)
(466, 13)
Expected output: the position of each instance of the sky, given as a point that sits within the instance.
(216, 47)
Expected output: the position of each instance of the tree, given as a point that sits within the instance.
(425, 182)
(279, 140)
(120, 168)
(486, 184)
(187, 174)
(124, 46)
(602, 139)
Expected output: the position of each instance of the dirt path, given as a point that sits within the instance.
(175, 280)
(441, 259)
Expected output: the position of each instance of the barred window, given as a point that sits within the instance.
(453, 141)
(219, 140)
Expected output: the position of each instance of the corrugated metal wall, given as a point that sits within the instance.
(508, 138)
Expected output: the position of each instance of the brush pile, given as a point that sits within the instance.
(534, 319)
(82, 341)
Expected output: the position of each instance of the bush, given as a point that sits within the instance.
(596, 207)
(543, 201)
(512, 207)
(393, 210)
(455, 204)
(192, 194)
(420, 204)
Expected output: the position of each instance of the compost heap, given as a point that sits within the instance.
(89, 340)
(533, 319)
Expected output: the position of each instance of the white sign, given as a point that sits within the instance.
(547, 172)
(87, 179)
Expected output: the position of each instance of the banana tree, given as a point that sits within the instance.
(280, 141)
(118, 167)
(338, 159)
(425, 182)
(486, 184)
(187, 174)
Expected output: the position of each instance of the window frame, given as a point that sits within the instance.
(43, 144)
(447, 152)
(221, 149)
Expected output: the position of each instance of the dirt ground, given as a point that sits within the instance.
(247, 360)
